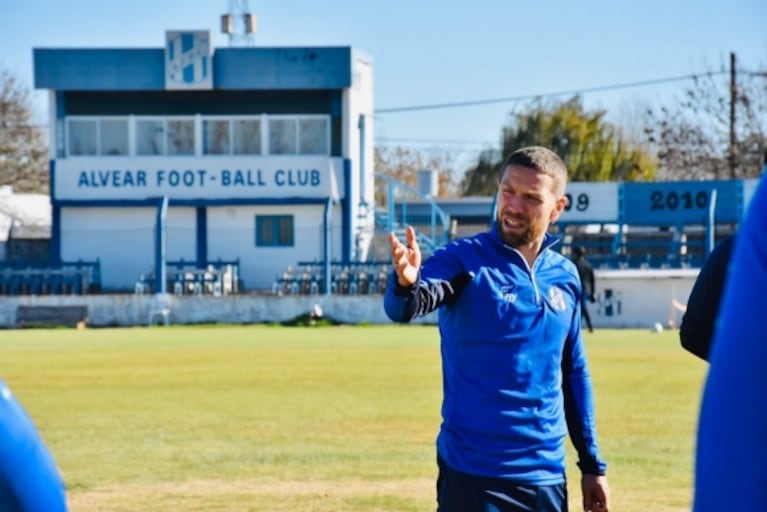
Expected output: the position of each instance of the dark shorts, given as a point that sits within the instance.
(460, 492)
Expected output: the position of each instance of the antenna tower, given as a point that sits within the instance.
(239, 23)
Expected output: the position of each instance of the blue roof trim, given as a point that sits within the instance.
(282, 68)
(152, 202)
(99, 69)
(104, 69)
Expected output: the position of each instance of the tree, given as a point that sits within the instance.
(693, 137)
(23, 151)
(405, 163)
(483, 178)
(592, 148)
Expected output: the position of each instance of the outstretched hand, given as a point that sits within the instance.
(406, 259)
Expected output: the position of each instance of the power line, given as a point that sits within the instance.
(457, 142)
(642, 83)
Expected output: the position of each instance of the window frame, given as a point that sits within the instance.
(276, 240)
(198, 141)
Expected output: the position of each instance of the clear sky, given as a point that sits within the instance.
(427, 52)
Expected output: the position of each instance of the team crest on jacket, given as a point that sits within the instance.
(507, 295)
(557, 299)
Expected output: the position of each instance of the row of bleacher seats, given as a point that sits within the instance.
(69, 278)
(626, 246)
(215, 278)
(651, 249)
(346, 278)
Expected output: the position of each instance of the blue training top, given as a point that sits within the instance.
(29, 479)
(730, 467)
(515, 376)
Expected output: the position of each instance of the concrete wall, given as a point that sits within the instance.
(640, 298)
(636, 299)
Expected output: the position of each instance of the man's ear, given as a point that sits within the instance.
(559, 207)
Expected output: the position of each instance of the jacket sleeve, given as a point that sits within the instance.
(441, 280)
(697, 329)
(403, 304)
(579, 401)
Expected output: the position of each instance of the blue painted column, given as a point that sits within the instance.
(326, 231)
(55, 248)
(160, 245)
(202, 236)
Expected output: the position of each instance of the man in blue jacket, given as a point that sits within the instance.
(515, 376)
(730, 468)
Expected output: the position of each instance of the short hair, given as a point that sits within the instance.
(579, 251)
(541, 160)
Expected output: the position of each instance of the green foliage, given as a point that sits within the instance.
(262, 419)
(592, 148)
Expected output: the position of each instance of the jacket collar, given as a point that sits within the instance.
(549, 240)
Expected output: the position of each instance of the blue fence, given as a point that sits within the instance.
(69, 278)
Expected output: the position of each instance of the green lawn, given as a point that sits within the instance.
(259, 418)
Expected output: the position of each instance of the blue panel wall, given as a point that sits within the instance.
(99, 69)
(282, 68)
(233, 68)
(681, 202)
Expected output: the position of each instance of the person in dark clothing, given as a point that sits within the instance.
(698, 322)
(586, 273)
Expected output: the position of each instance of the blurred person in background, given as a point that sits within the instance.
(586, 274)
(696, 332)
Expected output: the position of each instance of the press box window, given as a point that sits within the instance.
(274, 231)
(82, 137)
(303, 135)
(113, 137)
(247, 136)
(97, 136)
(231, 136)
(164, 137)
(216, 139)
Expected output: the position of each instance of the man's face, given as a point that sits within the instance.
(526, 206)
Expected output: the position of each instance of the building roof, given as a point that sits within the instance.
(25, 216)
(143, 69)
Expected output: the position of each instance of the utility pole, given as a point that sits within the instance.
(733, 156)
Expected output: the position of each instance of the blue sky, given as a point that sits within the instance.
(427, 52)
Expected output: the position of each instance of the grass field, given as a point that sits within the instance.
(260, 418)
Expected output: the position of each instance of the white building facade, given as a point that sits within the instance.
(262, 157)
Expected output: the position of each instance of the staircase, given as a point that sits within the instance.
(432, 230)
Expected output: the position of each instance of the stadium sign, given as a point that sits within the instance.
(185, 178)
(591, 202)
